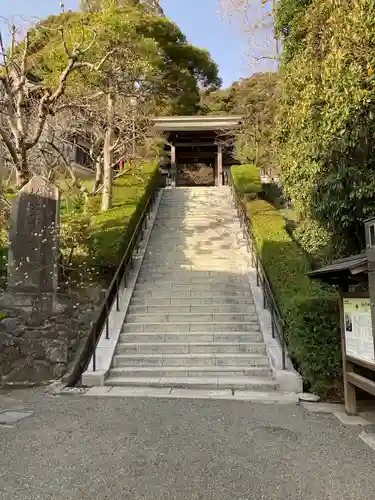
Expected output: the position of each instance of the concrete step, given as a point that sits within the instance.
(169, 265)
(191, 317)
(193, 236)
(190, 348)
(189, 274)
(193, 287)
(241, 359)
(209, 326)
(215, 294)
(192, 371)
(222, 300)
(193, 337)
(227, 225)
(222, 271)
(190, 236)
(244, 383)
(195, 247)
(201, 309)
(220, 280)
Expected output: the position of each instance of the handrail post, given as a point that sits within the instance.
(257, 269)
(264, 293)
(94, 355)
(107, 321)
(117, 294)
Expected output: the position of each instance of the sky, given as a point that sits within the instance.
(200, 20)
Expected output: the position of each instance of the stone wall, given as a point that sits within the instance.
(38, 346)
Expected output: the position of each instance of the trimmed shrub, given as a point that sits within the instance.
(111, 231)
(309, 308)
(247, 179)
(92, 241)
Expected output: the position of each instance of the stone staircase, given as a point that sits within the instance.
(192, 322)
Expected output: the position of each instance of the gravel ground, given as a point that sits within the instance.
(80, 448)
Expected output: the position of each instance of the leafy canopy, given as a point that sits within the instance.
(326, 113)
(173, 70)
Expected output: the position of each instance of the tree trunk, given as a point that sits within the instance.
(22, 177)
(107, 164)
(98, 175)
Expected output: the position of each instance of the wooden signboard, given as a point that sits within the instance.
(358, 346)
(359, 340)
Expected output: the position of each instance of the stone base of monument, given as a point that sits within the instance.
(40, 335)
(50, 303)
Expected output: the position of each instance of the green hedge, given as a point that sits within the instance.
(309, 309)
(247, 178)
(111, 231)
(93, 242)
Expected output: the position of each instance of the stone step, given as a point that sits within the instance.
(158, 249)
(184, 263)
(201, 309)
(190, 348)
(223, 270)
(191, 301)
(193, 287)
(170, 263)
(191, 317)
(244, 383)
(185, 212)
(241, 359)
(227, 225)
(176, 214)
(188, 274)
(193, 337)
(209, 326)
(192, 237)
(195, 246)
(222, 294)
(207, 283)
(192, 371)
(180, 278)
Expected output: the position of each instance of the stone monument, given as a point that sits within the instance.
(34, 239)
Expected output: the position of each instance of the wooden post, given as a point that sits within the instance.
(173, 164)
(219, 166)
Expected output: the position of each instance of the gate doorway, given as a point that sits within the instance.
(196, 174)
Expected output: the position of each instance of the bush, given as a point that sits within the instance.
(92, 241)
(317, 242)
(112, 230)
(309, 309)
(247, 179)
(314, 337)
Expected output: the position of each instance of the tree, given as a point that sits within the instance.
(26, 100)
(151, 65)
(326, 113)
(152, 6)
(255, 19)
(254, 99)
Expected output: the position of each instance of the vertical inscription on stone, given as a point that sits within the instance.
(34, 238)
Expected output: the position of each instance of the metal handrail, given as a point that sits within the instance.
(118, 283)
(269, 301)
